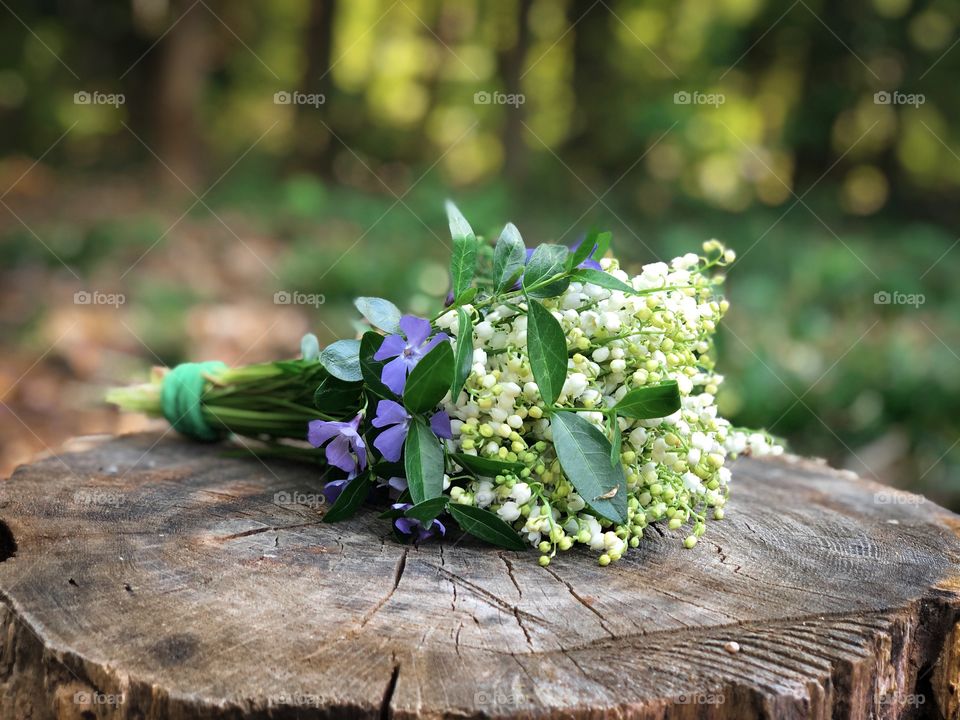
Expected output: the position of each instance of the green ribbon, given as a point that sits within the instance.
(180, 397)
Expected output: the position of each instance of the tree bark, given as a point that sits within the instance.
(180, 583)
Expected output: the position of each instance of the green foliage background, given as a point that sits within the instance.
(829, 195)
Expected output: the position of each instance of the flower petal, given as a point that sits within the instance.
(390, 413)
(390, 442)
(440, 424)
(338, 454)
(319, 431)
(392, 346)
(416, 329)
(394, 374)
(434, 341)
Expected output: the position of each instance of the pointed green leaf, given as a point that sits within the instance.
(616, 439)
(486, 526)
(349, 500)
(485, 467)
(546, 262)
(430, 380)
(334, 395)
(603, 279)
(652, 401)
(547, 347)
(463, 263)
(428, 510)
(371, 369)
(423, 461)
(584, 250)
(342, 360)
(464, 356)
(508, 258)
(380, 313)
(309, 347)
(584, 455)
(603, 244)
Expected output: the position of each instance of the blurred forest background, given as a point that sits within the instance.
(167, 167)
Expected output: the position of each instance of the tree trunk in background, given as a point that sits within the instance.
(511, 66)
(315, 146)
(591, 87)
(181, 81)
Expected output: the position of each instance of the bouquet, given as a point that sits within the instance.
(553, 401)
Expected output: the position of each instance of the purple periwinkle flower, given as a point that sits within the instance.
(412, 526)
(396, 486)
(396, 419)
(406, 349)
(345, 448)
(332, 490)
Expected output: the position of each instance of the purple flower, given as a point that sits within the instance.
(347, 451)
(396, 419)
(396, 485)
(412, 526)
(406, 351)
(332, 490)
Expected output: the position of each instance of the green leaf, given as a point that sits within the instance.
(547, 347)
(485, 467)
(546, 262)
(508, 258)
(652, 401)
(371, 369)
(430, 380)
(486, 526)
(603, 279)
(584, 250)
(342, 360)
(603, 244)
(349, 500)
(428, 510)
(463, 263)
(309, 347)
(380, 313)
(584, 455)
(464, 357)
(336, 395)
(423, 461)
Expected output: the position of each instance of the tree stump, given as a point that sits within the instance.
(148, 577)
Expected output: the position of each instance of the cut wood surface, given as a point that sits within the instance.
(148, 577)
